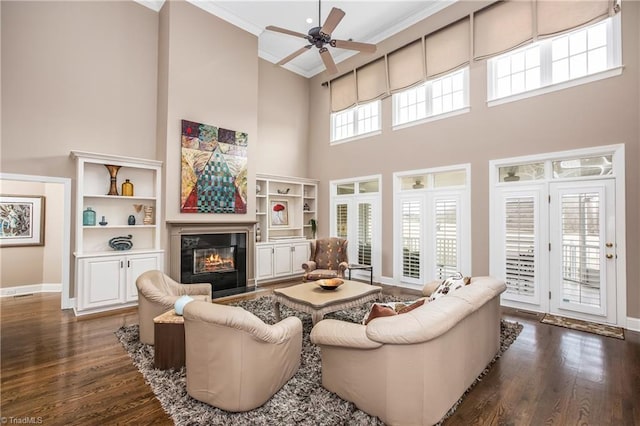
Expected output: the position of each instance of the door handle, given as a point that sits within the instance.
(609, 256)
(609, 245)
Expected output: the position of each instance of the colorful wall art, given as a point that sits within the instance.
(21, 220)
(214, 169)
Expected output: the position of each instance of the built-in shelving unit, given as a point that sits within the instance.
(105, 278)
(284, 208)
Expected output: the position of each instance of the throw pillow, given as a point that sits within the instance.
(390, 309)
(448, 286)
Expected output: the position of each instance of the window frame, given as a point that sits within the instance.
(614, 64)
(427, 87)
(356, 110)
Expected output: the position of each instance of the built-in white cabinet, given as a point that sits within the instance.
(110, 281)
(285, 208)
(105, 277)
(281, 260)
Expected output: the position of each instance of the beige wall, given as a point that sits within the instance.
(283, 121)
(21, 266)
(209, 80)
(602, 113)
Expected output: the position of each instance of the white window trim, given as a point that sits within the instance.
(433, 117)
(495, 186)
(356, 135)
(465, 222)
(614, 31)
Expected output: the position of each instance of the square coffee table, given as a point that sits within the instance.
(168, 350)
(310, 298)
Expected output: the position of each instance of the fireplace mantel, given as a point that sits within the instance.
(177, 229)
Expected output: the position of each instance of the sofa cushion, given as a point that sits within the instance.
(448, 286)
(389, 309)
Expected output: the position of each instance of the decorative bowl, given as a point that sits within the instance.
(330, 284)
(121, 243)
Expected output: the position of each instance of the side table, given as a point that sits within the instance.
(168, 330)
(357, 266)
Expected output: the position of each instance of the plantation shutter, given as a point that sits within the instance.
(520, 245)
(411, 238)
(446, 237)
(364, 233)
(341, 220)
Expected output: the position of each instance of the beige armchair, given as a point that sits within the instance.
(157, 293)
(328, 259)
(234, 361)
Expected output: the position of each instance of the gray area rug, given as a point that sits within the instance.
(301, 401)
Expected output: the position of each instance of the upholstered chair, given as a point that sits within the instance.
(328, 259)
(157, 293)
(234, 361)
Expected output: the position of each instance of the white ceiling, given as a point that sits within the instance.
(365, 21)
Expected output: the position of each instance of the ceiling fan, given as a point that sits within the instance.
(320, 37)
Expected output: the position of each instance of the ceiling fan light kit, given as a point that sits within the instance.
(320, 37)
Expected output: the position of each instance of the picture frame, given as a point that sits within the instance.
(279, 213)
(21, 220)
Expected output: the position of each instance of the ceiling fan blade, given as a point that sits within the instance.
(354, 45)
(294, 55)
(329, 64)
(285, 31)
(332, 21)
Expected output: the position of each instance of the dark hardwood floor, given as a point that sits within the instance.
(65, 370)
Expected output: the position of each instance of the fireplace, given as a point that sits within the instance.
(221, 255)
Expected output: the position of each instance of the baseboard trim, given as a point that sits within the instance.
(30, 289)
(633, 324)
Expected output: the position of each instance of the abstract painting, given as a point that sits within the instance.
(21, 221)
(214, 169)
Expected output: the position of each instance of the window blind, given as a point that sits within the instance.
(372, 80)
(554, 17)
(519, 245)
(364, 233)
(502, 26)
(406, 66)
(343, 92)
(448, 48)
(341, 220)
(446, 237)
(411, 238)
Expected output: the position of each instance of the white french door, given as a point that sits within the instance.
(583, 250)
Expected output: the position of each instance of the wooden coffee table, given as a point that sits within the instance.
(310, 298)
(168, 330)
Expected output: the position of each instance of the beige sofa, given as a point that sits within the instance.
(234, 360)
(157, 293)
(409, 369)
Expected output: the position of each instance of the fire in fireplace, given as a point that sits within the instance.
(218, 259)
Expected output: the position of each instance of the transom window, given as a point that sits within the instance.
(439, 96)
(577, 54)
(357, 121)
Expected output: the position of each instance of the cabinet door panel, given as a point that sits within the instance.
(101, 279)
(265, 262)
(282, 260)
(300, 254)
(136, 265)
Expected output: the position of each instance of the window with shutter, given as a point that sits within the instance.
(341, 220)
(411, 238)
(365, 233)
(446, 237)
(520, 245)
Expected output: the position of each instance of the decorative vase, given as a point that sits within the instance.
(89, 217)
(258, 235)
(127, 188)
(103, 222)
(148, 215)
(131, 220)
(113, 173)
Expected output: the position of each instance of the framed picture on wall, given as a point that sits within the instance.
(279, 213)
(21, 220)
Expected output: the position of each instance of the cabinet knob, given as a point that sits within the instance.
(121, 264)
(609, 256)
